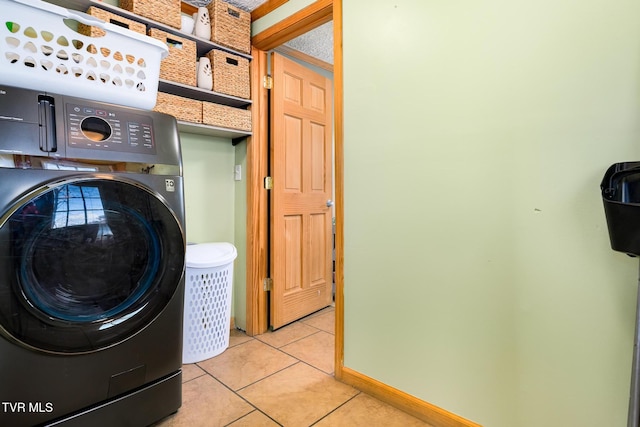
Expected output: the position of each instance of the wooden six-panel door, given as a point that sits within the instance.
(301, 216)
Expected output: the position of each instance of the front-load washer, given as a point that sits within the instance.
(92, 249)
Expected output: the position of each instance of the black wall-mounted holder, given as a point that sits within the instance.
(621, 197)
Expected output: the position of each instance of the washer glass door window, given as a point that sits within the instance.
(93, 262)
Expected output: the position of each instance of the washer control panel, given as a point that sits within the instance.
(109, 129)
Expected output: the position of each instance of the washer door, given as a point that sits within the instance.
(90, 263)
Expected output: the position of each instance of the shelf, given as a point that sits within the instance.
(200, 129)
(203, 46)
(174, 88)
(192, 92)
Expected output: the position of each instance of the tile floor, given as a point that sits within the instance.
(281, 378)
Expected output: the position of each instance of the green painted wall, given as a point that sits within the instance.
(209, 188)
(210, 195)
(240, 213)
(478, 274)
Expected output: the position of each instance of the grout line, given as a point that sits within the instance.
(195, 378)
(297, 360)
(249, 413)
(337, 407)
(243, 342)
(247, 340)
(332, 374)
(263, 378)
(237, 393)
(296, 340)
(243, 399)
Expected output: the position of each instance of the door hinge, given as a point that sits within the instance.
(267, 82)
(268, 284)
(268, 183)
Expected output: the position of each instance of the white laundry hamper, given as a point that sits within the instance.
(207, 300)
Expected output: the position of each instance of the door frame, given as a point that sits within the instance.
(318, 13)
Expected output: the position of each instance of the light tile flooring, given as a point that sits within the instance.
(281, 378)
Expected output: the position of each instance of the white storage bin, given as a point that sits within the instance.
(39, 51)
(207, 300)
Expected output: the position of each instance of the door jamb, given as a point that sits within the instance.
(317, 13)
(257, 200)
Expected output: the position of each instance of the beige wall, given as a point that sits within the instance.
(478, 274)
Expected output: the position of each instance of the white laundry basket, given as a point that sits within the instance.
(207, 300)
(39, 51)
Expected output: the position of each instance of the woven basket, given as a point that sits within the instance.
(230, 74)
(180, 66)
(230, 26)
(165, 11)
(226, 117)
(185, 109)
(111, 18)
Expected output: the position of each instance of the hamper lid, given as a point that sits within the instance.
(206, 255)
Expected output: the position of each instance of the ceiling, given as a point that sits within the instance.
(317, 43)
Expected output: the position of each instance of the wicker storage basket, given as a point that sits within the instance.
(230, 74)
(230, 26)
(226, 117)
(111, 18)
(165, 11)
(185, 109)
(180, 65)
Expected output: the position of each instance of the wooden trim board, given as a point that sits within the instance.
(266, 8)
(310, 17)
(338, 137)
(257, 212)
(418, 408)
(296, 54)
